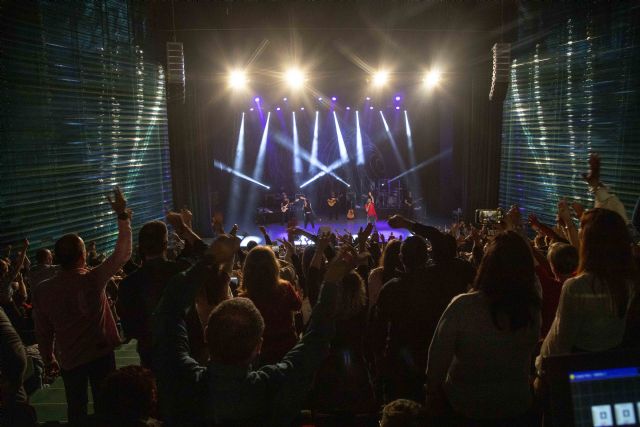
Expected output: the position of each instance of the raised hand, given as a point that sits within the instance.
(578, 209)
(176, 221)
(563, 211)
(187, 216)
(593, 177)
(363, 235)
(234, 230)
(398, 221)
(534, 222)
(118, 203)
(344, 262)
(262, 229)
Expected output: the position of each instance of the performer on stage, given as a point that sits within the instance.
(333, 206)
(308, 212)
(370, 208)
(408, 206)
(284, 208)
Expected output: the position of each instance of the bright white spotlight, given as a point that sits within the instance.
(238, 79)
(294, 78)
(218, 164)
(380, 78)
(432, 78)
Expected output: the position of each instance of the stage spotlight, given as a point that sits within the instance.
(371, 108)
(277, 108)
(284, 99)
(294, 78)
(397, 98)
(397, 107)
(333, 98)
(320, 99)
(348, 108)
(301, 108)
(432, 78)
(257, 99)
(251, 109)
(380, 78)
(368, 98)
(238, 79)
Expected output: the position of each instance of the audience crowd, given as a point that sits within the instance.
(445, 328)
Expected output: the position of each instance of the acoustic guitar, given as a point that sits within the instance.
(351, 214)
(332, 202)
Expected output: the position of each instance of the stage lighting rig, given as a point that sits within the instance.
(238, 79)
(295, 78)
(432, 78)
(380, 78)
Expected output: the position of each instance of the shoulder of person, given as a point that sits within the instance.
(579, 284)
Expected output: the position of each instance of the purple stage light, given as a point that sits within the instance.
(319, 99)
(277, 108)
(368, 98)
(284, 99)
(397, 107)
(348, 108)
(371, 108)
(333, 98)
(251, 109)
(397, 98)
(301, 108)
(256, 99)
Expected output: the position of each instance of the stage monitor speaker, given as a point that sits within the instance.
(501, 66)
(175, 70)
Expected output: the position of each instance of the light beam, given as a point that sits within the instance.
(359, 149)
(218, 164)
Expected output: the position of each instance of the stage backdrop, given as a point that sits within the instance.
(574, 89)
(82, 109)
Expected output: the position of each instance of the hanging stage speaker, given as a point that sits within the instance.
(500, 76)
(175, 70)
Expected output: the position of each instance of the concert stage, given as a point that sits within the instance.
(277, 231)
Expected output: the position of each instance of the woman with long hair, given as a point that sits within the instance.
(276, 300)
(480, 355)
(593, 305)
(390, 264)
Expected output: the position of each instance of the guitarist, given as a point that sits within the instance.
(408, 206)
(333, 206)
(284, 208)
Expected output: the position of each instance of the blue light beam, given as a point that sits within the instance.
(423, 164)
(297, 163)
(359, 149)
(330, 168)
(394, 146)
(344, 156)
(258, 170)
(218, 164)
(314, 146)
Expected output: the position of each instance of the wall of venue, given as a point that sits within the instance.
(82, 109)
(574, 89)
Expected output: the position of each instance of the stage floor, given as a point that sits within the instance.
(277, 231)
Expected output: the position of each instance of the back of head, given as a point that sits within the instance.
(43, 256)
(605, 251)
(261, 272)
(129, 395)
(414, 252)
(70, 251)
(563, 259)
(507, 277)
(152, 239)
(234, 330)
(446, 248)
(402, 413)
(352, 296)
(252, 244)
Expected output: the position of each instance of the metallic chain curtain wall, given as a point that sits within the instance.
(575, 91)
(81, 110)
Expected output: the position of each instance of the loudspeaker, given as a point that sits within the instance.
(501, 66)
(175, 70)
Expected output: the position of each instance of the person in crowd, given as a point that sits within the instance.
(403, 413)
(9, 272)
(390, 267)
(276, 300)
(129, 399)
(593, 305)
(13, 365)
(71, 309)
(343, 383)
(405, 317)
(480, 354)
(93, 257)
(139, 293)
(43, 270)
(228, 391)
